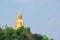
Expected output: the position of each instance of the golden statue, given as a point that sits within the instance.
(19, 22)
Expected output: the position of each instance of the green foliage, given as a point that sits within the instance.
(22, 33)
(45, 37)
(37, 37)
(51, 39)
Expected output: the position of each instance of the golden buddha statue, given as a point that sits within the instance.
(19, 22)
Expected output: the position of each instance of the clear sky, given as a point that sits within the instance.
(42, 16)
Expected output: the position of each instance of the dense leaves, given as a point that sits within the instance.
(22, 33)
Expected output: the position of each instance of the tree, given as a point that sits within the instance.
(21, 33)
(51, 39)
(45, 37)
(37, 37)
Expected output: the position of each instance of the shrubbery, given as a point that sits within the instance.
(22, 33)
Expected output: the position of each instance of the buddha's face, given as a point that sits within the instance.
(19, 16)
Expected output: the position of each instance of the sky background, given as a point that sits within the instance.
(42, 16)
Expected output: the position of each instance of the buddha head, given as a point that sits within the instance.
(19, 15)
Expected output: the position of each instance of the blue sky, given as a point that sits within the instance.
(42, 16)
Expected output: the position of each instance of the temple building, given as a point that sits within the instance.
(19, 22)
